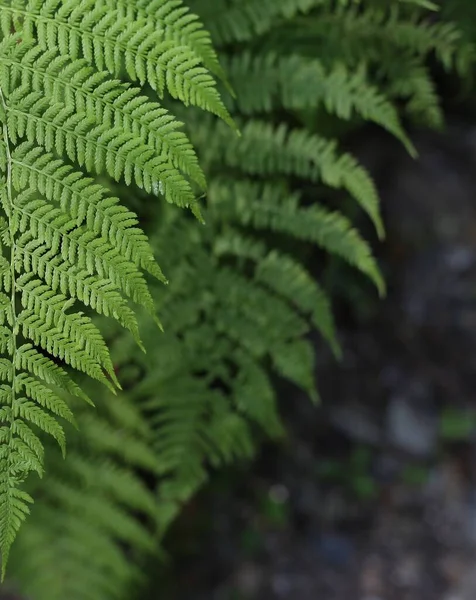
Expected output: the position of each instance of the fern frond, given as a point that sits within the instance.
(96, 147)
(86, 201)
(254, 331)
(95, 505)
(380, 35)
(286, 277)
(269, 81)
(65, 242)
(44, 320)
(270, 207)
(43, 227)
(295, 360)
(242, 21)
(289, 279)
(413, 84)
(268, 150)
(109, 39)
(32, 361)
(14, 506)
(253, 382)
(183, 427)
(178, 24)
(112, 102)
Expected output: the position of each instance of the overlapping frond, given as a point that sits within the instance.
(268, 150)
(241, 299)
(269, 81)
(96, 507)
(109, 39)
(69, 125)
(269, 207)
(242, 21)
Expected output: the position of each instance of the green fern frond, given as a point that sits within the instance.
(412, 82)
(65, 242)
(14, 506)
(93, 145)
(112, 102)
(267, 150)
(32, 361)
(289, 279)
(253, 382)
(87, 203)
(242, 21)
(44, 229)
(286, 277)
(238, 317)
(269, 81)
(178, 25)
(45, 321)
(96, 507)
(379, 34)
(109, 39)
(270, 207)
(295, 360)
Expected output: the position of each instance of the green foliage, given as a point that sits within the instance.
(66, 111)
(103, 506)
(353, 474)
(243, 296)
(456, 424)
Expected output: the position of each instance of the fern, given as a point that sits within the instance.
(109, 39)
(390, 40)
(264, 149)
(66, 113)
(269, 81)
(290, 74)
(116, 510)
(243, 297)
